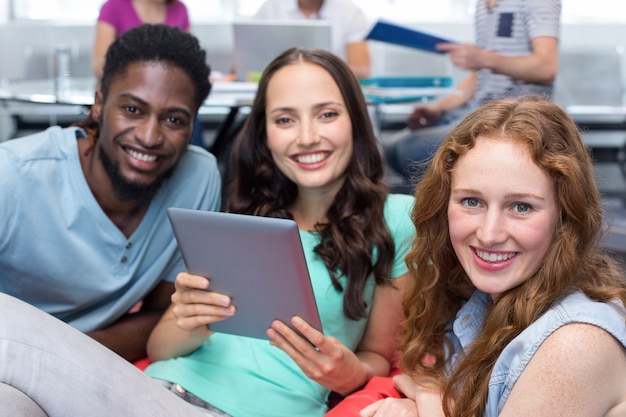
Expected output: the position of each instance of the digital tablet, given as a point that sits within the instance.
(258, 261)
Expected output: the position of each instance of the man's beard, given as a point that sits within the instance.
(126, 190)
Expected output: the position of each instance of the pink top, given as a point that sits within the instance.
(122, 15)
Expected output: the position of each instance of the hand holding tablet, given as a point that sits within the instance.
(257, 261)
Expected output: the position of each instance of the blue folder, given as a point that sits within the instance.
(404, 36)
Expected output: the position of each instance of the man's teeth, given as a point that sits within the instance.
(493, 257)
(311, 158)
(142, 156)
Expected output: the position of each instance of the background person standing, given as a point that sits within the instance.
(349, 26)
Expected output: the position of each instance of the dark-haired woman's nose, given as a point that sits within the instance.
(307, 135)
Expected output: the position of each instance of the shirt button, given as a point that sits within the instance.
(129, 245)
(124, 259)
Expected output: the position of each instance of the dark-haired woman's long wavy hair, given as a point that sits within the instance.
(439, 285)
(355, 222)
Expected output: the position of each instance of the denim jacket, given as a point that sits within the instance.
(575, 308)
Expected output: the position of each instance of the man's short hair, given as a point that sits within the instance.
(158, 43)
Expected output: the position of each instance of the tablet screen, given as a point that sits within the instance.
(258, 261)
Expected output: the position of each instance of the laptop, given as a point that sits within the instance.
(258, 42)
(258, 261)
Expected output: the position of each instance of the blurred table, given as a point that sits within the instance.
(81, 91)
(226, 99)
(598, 115)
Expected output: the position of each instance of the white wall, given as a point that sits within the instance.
(4, 11)
(25, 47)
(19, 39)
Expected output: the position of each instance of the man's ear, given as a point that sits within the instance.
(96, 108)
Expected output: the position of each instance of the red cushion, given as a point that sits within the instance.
(377, 388)
(142, 363)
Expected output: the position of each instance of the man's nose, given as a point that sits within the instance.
(149, 133)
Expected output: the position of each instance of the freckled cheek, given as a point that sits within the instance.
(459, 226)
(535, 251)
(460, 236)
(534, 238)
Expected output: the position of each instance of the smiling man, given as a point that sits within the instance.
(84, 234)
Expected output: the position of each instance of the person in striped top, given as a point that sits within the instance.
(515, 54)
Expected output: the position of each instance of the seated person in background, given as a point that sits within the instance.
(516, 53)
(307, 152)
(85, 233)
(518, 312)
(349, 26)
(118, 16)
